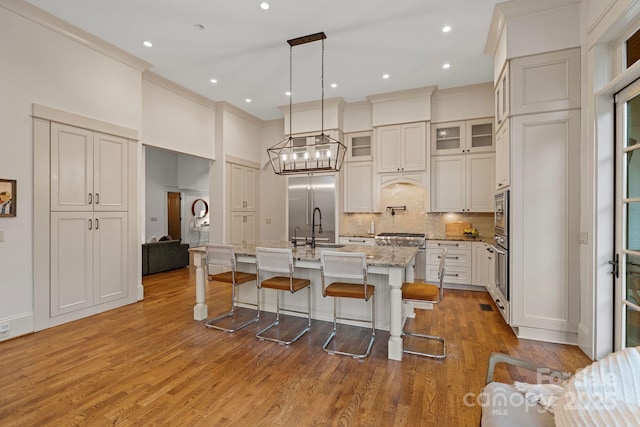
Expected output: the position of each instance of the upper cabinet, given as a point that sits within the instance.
(502, 97)
(88, 170)
(359, 146)
(243, 188)
(471, 136)
(401, 147)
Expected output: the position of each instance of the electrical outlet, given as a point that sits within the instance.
(4, 329)
(153, 219)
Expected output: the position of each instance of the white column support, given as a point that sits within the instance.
(394, 348)
(200, 310)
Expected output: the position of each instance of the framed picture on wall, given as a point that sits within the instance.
(8, 197)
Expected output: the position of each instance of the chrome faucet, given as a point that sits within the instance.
(313, 227)
(295, 236)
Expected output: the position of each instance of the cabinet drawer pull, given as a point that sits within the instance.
(499, 304)
(90, 225)
(97, 223)
(357, 240)
(449, 257)
(90, 198)
(97, 198)
(451, 274)
(448, 244)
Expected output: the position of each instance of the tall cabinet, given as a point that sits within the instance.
(89, 218)
(539, 161)
(243, 218)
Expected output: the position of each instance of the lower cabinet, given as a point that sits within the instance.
(457, 263)
(88, 259)
(243, 227)
(365, 241)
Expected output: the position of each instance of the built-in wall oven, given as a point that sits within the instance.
(501, 238)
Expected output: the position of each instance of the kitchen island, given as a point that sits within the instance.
(388, 268)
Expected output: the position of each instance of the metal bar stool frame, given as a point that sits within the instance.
(350, 266)
(430, 293)
(218, 255)
(280, 262)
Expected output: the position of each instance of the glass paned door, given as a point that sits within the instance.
(627, 279)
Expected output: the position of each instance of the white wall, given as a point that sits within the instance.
(173, 122)
(462, 103)
(272, 186)
(41, 66)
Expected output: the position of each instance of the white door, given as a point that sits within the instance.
(110, 256)
(71, 168)
(110, 165)
(627, 234)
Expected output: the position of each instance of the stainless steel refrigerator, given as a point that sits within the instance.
(305, 194)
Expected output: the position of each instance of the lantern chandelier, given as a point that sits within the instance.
(319, 153)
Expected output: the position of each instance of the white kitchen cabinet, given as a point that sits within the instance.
(489, 269)
(457, 263)
(478, 264)
(88, 216)
(545, 217)
(503, 156)
(243, 188)
(88, 170)
(401, 147)
(471, 136)
(463, 183)
(359, 146)
(502, 98)
(364, 241)
(243, 227)
(360, 189)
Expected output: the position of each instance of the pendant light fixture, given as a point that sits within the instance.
(319, 153)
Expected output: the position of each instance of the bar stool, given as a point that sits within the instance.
(425, 292)
(223, 256)
(350, 266)
(279, 262)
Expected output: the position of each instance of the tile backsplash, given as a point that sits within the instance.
(416, 218)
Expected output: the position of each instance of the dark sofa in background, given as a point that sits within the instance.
(164, 256)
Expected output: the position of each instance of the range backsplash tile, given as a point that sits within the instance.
(416, 218)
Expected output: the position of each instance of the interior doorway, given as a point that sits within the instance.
(174, 216)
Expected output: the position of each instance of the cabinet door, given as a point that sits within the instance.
(448, 138)
(480, 181)
(243, 227)
(448, 183)
(110, 183)
(250, 229)
(502, 97)
(359, 146)
(489, 268)
(413, 154)
(71, 168)
(110, 257)
(71, 285)
(478, 264)
(479, 135)
(358, 185)
(503, 156)
(388, 152)
(546, 82)
(243, 188)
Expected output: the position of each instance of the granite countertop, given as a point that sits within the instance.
(379, 256)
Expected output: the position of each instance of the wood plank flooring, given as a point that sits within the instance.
(150, 363)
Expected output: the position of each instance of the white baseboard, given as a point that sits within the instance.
(546, 335)
(17, 325)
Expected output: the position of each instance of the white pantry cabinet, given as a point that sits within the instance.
(243, 223)
(89, 230)
(463, 183)
(88, 170)
(503, 156)
(243, 227)
(401, 147)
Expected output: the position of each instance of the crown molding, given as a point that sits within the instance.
(478, 87)
(403, 94)
(230, 108)
(313, 105)
(156, 79)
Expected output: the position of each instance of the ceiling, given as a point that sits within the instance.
(244, 47)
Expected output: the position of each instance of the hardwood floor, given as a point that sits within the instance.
(150, 363)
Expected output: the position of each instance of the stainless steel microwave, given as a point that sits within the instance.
(501, 209)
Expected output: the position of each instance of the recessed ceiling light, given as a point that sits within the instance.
(446, 29)
(385, 76)
(264, 5)
(147, 43)
(213, 81)
(287, 93)
(445, 66)
(334, 85)
(247, 100)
